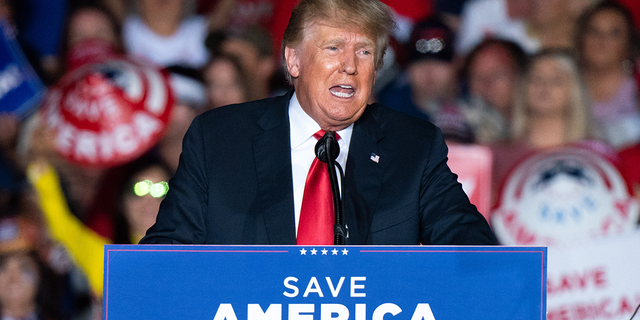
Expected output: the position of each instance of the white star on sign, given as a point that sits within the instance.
(314, 251)
(303, 251)
(324, 251)
(345, 251)
(334, 251)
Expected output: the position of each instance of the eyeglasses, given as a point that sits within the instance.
(156, 190)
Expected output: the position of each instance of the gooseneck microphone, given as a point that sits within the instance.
(327, 150)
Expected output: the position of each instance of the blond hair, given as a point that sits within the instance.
(579, 121)
(370, 17)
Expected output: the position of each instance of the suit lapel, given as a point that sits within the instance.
(272, 150)
(363, 177)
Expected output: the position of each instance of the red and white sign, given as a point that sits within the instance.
(564, 196)
(109, 112)
(473, 164)
(596, 281)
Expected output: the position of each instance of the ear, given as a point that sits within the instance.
(292, 58)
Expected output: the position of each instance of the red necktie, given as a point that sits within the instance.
(317, 213)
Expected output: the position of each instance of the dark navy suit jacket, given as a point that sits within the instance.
(234, 184)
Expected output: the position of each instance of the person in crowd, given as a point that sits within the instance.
(552, 23)
(428, 84)
(500, 19)
(428, 87)
(605, 52)
(90, 30)
(27, 291)
(226, 82)
(139, 200)
(492, 72)
(164, 33)
(242, 173)
(92, 21)
(252, 47)
(551, 110)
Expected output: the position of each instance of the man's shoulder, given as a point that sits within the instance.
(396, 122)
(239, 113)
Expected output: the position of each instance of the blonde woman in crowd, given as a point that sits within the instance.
(550, 110)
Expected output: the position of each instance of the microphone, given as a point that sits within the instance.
(327, 142)
(327, 150)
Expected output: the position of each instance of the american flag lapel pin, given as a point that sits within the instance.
(374, 157)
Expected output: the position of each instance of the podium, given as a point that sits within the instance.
(324, 283)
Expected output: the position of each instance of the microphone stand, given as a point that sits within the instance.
(327, 150)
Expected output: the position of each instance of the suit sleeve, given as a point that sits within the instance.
(181, 216)
(447, 216)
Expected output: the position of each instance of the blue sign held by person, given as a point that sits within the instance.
(20, 88)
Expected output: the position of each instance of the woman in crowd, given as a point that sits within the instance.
(492, 72)
(604, 45)
(139, 204)
(25, 282)
(91, 30)
(550, 110)
(226, 82)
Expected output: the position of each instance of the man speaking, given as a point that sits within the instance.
(248, 173)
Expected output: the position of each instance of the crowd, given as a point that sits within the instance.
(516, 76)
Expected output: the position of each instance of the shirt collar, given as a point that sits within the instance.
(303, 126)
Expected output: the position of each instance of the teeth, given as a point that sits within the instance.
(342, 95)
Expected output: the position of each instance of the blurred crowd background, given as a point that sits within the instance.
(516, 77)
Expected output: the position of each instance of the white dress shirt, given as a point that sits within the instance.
(302, 129)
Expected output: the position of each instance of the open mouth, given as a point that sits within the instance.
(343, 91)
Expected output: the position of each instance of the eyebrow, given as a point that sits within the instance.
(360, 42)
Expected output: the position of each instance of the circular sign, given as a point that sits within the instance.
(564, 196)
(109, 112)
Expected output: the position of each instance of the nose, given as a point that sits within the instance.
(350, 64)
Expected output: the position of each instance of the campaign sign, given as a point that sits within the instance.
(473, 164)
(108, 112)
(20, 87)
(598, 280)
(564, 196)
(324, 283)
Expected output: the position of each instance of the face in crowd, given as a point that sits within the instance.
(605, 41)
(226, 84)
(19, 280)
(142, 202)
(493, 76)
(91, 23)
(548, 91)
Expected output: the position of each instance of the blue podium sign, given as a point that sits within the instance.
(324, 283)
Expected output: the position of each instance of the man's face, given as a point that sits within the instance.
(431, 80)
(334, 72)
(493, 76)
